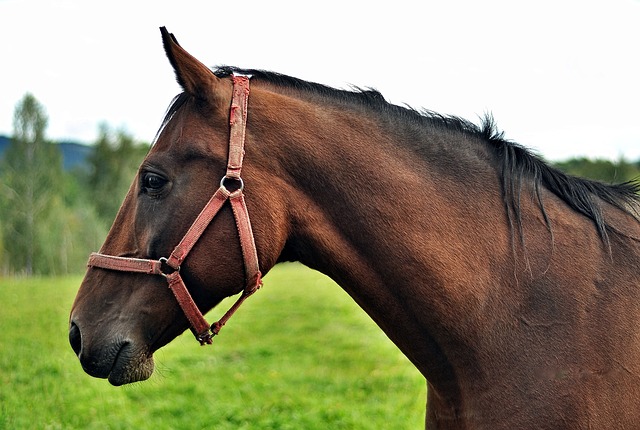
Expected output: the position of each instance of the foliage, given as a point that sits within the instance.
(52, 219)
(602, 170)
(299, 354)
(31, 172)
(113, 164)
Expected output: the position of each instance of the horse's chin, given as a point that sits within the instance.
(131, 367)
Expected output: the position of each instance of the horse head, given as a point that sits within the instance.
(120, 317)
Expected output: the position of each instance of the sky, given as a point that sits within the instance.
(561, 77)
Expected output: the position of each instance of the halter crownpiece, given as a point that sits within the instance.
(170, 267)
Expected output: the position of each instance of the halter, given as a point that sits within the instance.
(170, 267)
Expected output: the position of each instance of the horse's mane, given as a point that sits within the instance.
(518, 167)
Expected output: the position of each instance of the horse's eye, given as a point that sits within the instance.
(153, 181)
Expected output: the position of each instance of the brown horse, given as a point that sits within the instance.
(512, 287)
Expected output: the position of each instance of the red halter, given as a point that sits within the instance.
(170, 267)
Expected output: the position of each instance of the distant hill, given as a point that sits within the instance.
(4, 143)
(74, 155)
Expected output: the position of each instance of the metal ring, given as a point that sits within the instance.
(164, 262)
(224, 178)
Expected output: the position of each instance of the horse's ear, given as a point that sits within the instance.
(194, 77)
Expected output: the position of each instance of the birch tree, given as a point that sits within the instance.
(31, 172)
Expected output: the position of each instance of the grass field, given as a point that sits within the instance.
(298, 355)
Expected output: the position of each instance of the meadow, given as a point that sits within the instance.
(299, 354)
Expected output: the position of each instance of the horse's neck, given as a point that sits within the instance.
(409, 243)
(424, 244)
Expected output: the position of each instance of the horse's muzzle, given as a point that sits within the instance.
(119, 360)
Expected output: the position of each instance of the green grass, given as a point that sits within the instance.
(298, 355)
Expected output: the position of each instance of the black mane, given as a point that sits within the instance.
(518, 166)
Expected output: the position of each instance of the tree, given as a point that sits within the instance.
(113, 165)
(31, 176)
(602, 170)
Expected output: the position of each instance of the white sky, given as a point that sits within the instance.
(559, 76)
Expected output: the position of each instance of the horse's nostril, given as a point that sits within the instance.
(75, 338)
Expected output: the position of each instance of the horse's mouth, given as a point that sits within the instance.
(122, 363)
(130, 365)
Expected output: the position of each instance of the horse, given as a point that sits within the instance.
(512, 287)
